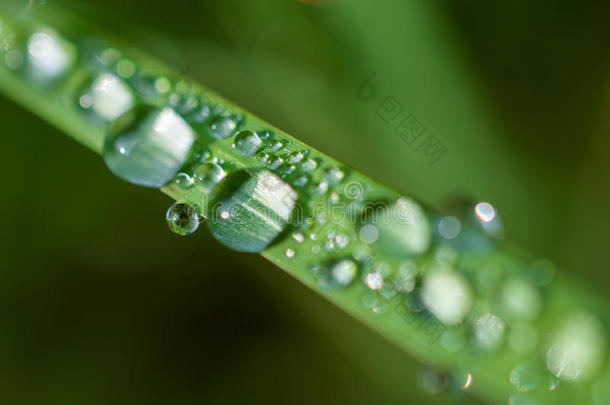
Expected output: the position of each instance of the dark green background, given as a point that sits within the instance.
(100, 303)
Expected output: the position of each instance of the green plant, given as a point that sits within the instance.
(376, 254)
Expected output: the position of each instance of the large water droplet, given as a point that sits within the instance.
(182, 219)
(49, 56)
(403, 228)
(489, 330)
(247, 143)
(148, 146)
(446, 294)
(250, 209)
(577, 348)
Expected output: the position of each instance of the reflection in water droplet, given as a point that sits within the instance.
(182, 219)
(247, 143)
(148, 146)
(251, 208)
(577, 348)
(107, 96)
(290, 253)
(49, 56)
(485, 211)
(525, 377)
(447, 295)
(208, 175)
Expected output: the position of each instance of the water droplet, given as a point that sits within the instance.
(320, 188)
(274, 145)
(404, 279)
(301, 181)
(247, 143)
(221, 127)
(296, 157)
(577, 348)
(49, 56)
(251, 209)
(525, 377)
(446, 294)
(489, 330)
(163, 85)
(309, 165)
(403, 228)
(298, 237)
(290, 253)
(148, 146)
(334, 176)
(374, 280)
(449, 227)
(184, 181)
(521, 300)
(125, 68)
(374, 303)
(107, 96)
(208, 175)
(274, 162)
(368, 234)
(182, 219)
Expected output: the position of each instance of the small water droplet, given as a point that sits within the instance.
(298, 237)
(184, 181)
(290, 253)
(208, 175)
(182, 219)
(296, 157)
(334, 176)
(577, 348)
(221, 127)
(374, 280)
(247, 143)
(309, 165)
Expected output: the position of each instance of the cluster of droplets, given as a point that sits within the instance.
(441, 269)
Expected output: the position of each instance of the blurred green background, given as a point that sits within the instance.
(101, 304)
